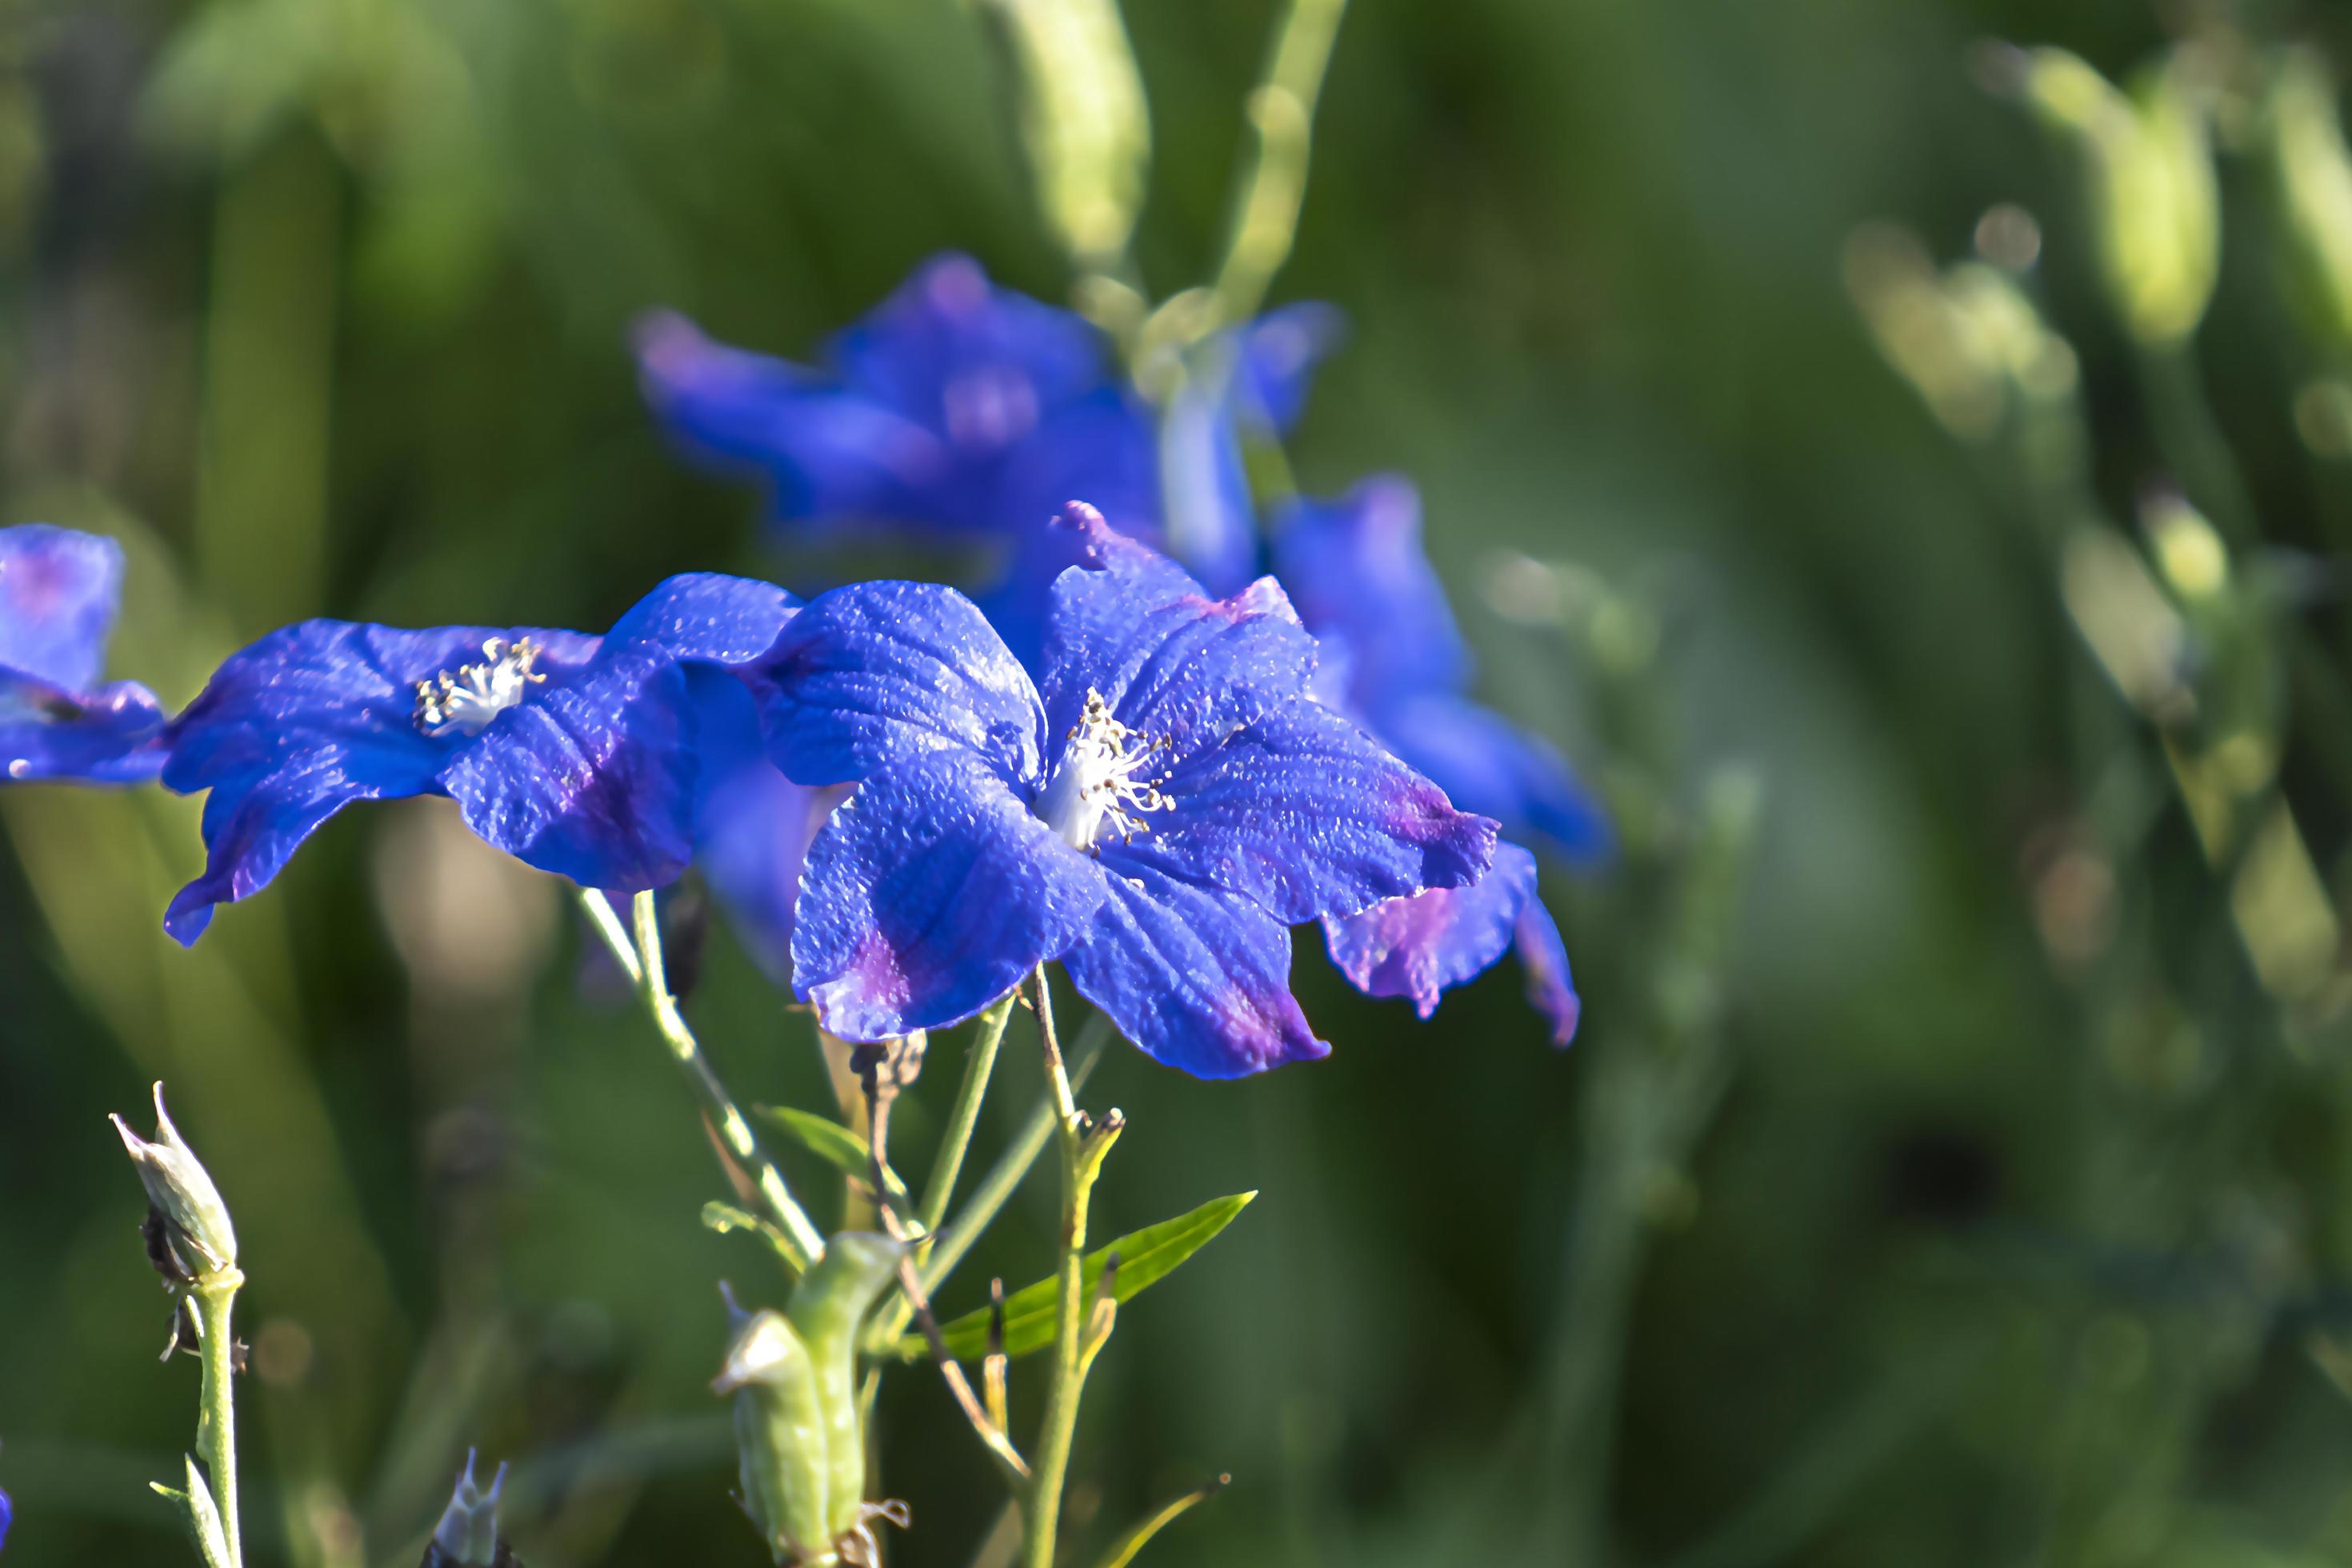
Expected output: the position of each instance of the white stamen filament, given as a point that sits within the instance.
(1094, 788)
(466, 701)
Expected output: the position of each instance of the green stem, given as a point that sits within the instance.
(2191, 439)
(1083, 1148)
(644, 965)
(964, 1116)
(1282, 110)
(216, 1301)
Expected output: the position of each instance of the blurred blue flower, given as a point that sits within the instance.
(1171, 802)
(576, 754)
(6, 1514)
(58, 593)
(1394, 660)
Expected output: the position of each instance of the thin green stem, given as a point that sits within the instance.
(1282, 112)
(216, 1301)
(964, 1115)
(1084, 1144)
(806, 1245)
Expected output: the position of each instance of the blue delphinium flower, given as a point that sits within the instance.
(58, 593)
(1154, 814)
(576, 754)
(6, 1514)
(1394, 660)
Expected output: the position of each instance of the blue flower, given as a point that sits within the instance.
(6, 1514)
(1154, 814)
(58, 593)
(956, 406)
(576, 754)
(1395, 660)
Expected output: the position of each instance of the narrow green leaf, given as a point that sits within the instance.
(200, 1514)
(1145, 1257)
(835, 1144)
(1135, 1540)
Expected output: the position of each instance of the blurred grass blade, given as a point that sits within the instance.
(1135, 1540)
(1144, 1257)
(835, 1144)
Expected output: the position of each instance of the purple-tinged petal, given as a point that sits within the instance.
(1279, 352)
(1170, 661)
(253, 826)
(828, 454)
(871, 677)
(928, 894)
(1420, 946)
(58, 593)
(1486, 764)
(706, 615)
(1199, 978)
(6, 1513)
(112, 735)
(1356, 570)
(1307, 815)
(593, 777)
(974, 361)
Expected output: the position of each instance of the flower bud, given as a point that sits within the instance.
(826, 1311)
(780, 1436)
(197, 1230)
(467, 1536)
(2147, 161)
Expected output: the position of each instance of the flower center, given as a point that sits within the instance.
(1094, 789)
(467, 700)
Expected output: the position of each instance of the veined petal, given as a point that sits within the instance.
(111, 735)
(1356, 570)
(594, 777)
(1420, 946)
(1486, 764)
(1199, 978)
(928, 894)
(1170, 661)
(58, 593)
(706, 615)
(253, 826)
(1305, 814)
(875, 675)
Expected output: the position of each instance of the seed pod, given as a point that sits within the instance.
(780, 1435)
(199, 1234)
(826, 1308)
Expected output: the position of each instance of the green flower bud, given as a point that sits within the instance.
(826, 1310)
(197, 1229)
(779, 1436)
(2147, 162)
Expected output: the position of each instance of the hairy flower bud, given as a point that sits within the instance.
(780, 1436)
(197, 1228)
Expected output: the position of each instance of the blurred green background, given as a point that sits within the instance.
(1953, 1167)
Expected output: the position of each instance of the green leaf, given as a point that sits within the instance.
(1135, 1540)
(1145, 1257)
(835, 1144)
(199, 1514)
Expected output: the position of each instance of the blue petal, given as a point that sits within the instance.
(931, 892)
(6, 1513)
(299, 725)
(593, 776)
(1279, 352)
(1305, 815)
(1420, 946)
(706, 615)
(58, 593)
(1170, 661)
(1199, 978)
(111, 735)
(1212, 524)
(828, 454)
(752, 835)
(1489, 765)
(1356, 570)
(873, 676)
(976, 362)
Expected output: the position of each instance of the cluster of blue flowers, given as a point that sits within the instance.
(1167, 729)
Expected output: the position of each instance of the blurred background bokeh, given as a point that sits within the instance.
(1828, 439)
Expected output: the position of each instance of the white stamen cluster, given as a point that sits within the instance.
(1094, 789)
(467, 700)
